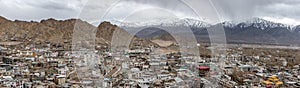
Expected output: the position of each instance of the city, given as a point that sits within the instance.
(51, 66)
(149, 44)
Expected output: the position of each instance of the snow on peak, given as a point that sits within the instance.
(200, 23)
(189, 22)
(256, 22)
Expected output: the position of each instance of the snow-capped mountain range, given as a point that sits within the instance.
(190, 22)
(193, 22)
(258, 23)
(254, 30)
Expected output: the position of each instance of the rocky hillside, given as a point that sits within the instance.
(55, 31)
(51, 30)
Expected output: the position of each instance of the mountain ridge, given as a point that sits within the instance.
(256, 30)
(54, 31)
(58, 31)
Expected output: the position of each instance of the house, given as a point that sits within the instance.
(136, 73)
(60, 79)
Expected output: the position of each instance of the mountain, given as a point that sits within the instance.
(57, 31)
(157, 27)
(254, 30)
(261, 31)
(3, 20)
(190, 22)
(257, 23)
(49, 30)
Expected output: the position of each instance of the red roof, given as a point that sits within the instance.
(202, 67)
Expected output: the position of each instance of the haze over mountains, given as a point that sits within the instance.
(255, 30)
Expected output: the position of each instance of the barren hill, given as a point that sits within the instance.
(55, 31)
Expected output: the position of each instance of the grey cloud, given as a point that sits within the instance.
(236, 9)
(92, 10)
(37, 9)
(52, 5)
(282, 10)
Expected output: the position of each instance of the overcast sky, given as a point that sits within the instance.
(94, 11)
